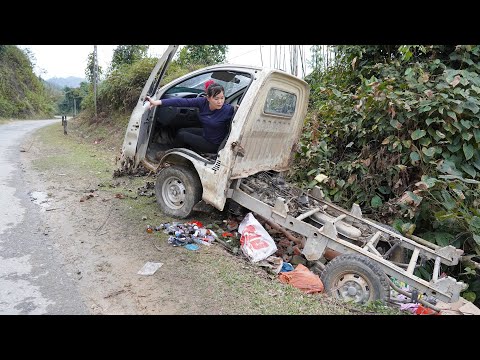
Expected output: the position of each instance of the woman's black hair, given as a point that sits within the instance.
(214, 89)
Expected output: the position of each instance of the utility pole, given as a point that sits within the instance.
(95, 69)
(74, 107)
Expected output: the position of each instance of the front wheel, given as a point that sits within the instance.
(355, 278)
(177, 190)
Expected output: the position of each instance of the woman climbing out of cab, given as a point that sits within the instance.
(214, 114)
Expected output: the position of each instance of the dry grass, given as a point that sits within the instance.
(212, 280)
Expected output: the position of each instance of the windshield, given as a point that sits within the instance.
(231, 81)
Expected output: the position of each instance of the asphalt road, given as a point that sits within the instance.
(32, 278)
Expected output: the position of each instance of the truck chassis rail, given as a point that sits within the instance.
(328, 226)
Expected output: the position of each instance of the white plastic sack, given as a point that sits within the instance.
(255, 242)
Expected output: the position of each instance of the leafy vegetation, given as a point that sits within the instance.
(22, 93)
(128, 54)
(72, 99)
(90, 69)
(119, 92)
(396, 129)
(202, 54)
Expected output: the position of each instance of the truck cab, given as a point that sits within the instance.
(266, 126)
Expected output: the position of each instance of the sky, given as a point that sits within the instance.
(71, 60)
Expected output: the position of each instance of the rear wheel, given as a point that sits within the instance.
(178, 189)
(355, 278)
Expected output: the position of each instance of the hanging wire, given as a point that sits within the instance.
(302, 59)
(275, 64)
(245, 53)
(295, 60)
(277, 57)
(290, 54)
(292, 58)
(261, 57)
(305, 61)
(270, 57)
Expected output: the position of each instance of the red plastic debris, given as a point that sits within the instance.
(196, 222)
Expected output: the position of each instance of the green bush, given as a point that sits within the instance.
(120, 90)
(396, 129)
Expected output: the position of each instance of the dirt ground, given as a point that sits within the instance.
(104, 243)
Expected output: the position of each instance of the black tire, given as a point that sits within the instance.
(178, 189)
(355, 278)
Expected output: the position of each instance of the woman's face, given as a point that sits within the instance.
(216, 101)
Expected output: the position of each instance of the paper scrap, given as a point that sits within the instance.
(149, 268)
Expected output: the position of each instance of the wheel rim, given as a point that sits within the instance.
(352, 287)
(173, 192)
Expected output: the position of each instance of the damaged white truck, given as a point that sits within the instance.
(247, 169)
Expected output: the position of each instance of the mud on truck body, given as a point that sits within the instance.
(247, 169)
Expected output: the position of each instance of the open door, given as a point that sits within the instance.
(136, 137)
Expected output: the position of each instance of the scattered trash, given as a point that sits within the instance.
(418, 309)
(303, 279)
(192, 247)
(422, 310)
(147, 189)
(196, 223)
(150, 268)
(204, 236)
(231, 225)
(272, 262)
(255, 241)
(286, 267)
(229, 241)
(187, 233)
(177, 241)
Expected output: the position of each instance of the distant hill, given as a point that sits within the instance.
(53, 90)
(71, 81)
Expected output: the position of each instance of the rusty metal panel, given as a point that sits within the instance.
(267, 139)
